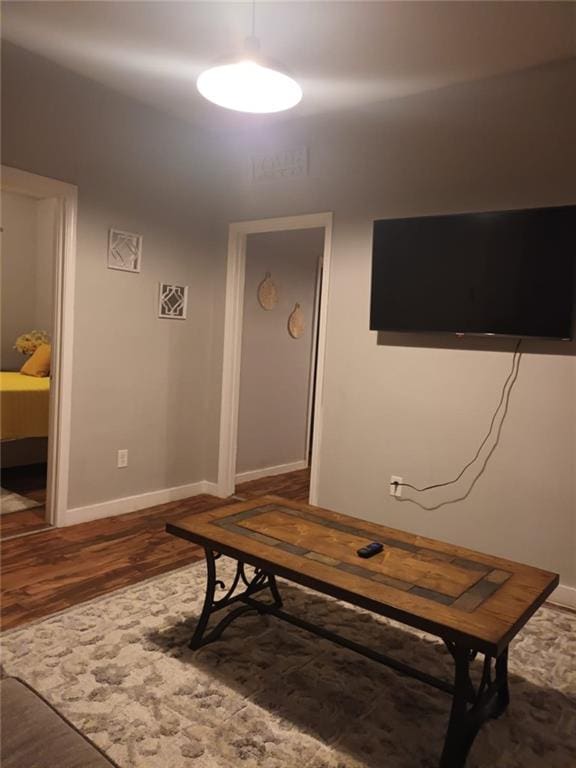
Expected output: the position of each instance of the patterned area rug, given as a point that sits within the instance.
(14, 502)
(271, 696)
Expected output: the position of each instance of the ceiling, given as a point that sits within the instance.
(344, 54)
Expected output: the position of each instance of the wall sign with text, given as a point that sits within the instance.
(286, 164)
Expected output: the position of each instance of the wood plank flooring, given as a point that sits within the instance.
(58, 568)
(28, 481)
(25, 521)
(293, 485)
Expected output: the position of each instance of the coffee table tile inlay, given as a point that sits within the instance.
(464, 583)
(474, 602)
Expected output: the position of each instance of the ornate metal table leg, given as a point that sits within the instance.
(502, 684)
(459, 736)
(207, 608)
(472, 706)
(274, 590)
(258, 582)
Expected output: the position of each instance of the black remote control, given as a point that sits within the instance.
(370, 549)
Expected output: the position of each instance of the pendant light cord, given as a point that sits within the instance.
(252, 44)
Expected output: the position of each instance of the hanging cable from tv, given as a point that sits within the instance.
(502, 404)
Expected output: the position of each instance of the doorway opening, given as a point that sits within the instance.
(38, 242)
(271, 415)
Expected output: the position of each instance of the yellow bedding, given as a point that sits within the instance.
(24, 402)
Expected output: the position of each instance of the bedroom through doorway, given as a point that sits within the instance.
(37, 230)
(28, 262)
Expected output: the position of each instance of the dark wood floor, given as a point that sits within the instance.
(29, 481)
(24, 521)
(58, 568)
(293, 485)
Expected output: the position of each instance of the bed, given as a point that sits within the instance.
(24, 406)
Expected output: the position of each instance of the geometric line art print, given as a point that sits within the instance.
(173, 300)
(124, 250)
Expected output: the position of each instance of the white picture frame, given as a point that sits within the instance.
(172, 301)
(124, 250)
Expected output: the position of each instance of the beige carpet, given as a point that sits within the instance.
(271, 696)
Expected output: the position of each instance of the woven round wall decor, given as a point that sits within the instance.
(296, 322)
(267, 293)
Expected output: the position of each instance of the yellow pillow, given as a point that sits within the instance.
(38, 364)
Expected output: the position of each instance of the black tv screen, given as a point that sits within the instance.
(507, 273)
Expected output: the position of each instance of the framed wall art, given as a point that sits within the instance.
(172, 301)
(124, 250)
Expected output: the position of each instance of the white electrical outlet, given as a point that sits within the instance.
(395, 486)
(123, 457)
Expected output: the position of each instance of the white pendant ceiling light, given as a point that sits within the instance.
(249, 83)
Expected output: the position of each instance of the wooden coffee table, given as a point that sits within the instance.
(474, 602)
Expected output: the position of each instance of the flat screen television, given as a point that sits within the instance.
(505, 273)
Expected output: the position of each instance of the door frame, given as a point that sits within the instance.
(66, 196)
(314, 359)
(234, 310)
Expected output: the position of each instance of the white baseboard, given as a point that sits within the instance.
(565, 596)
(213, 489)
(279, 469)
(126, 504)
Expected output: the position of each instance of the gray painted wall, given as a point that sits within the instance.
(45, 263)
(413, 406)
(18, 274)
(27, 271)
(138, 382)
(275, 368)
